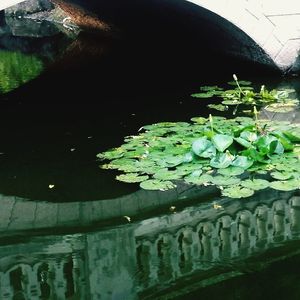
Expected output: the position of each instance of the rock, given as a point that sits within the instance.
(29, 7)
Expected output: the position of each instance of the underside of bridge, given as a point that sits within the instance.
(153, 21)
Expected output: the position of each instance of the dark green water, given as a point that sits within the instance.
(92, 93)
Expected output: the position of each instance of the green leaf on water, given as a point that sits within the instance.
(242, 162)
(231, 171)
(203, 95)
(237, 192)
(132, 177)
(210, 88)
(203, 148)
(199, 120)
(203, 179)
(155, 184)
(281, 175)
(285, 185)
(225, 180)
(219, 107)
(255, 184)
(222, 141)
(166, 174)
(221, 161)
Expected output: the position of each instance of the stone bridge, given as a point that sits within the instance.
(164, 249)
(273, 26)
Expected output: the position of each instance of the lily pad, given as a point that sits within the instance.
(225, 180)
(203, 147)
(168, 175)
(203, 179)
(199, 120)
(231, 171)
(255, 184)
(222, 141)
(132, 177)
(285, 185)
(237, 192)
(209, 88)
(155, 184)
(281, 175)
(221, 161)
(242, 162)
(203, 95)
(219, 107)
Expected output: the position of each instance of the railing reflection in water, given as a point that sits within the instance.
(122, 262)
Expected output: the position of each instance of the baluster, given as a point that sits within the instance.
(6, 290)
(225, 237)
(58, 283)
(262, 226)
(295, 215)
(30, 283)
(79, 277)
(279, 221)
(244, 235)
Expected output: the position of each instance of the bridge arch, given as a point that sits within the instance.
(271, 26)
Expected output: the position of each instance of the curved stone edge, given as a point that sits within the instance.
(19, 214)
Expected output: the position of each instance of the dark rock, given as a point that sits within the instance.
(29, 7)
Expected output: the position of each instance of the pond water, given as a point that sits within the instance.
(84, 95)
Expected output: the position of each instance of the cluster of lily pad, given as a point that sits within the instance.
(239, 155)
(243, 93)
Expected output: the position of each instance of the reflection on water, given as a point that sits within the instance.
(165, 256)
(16, 69)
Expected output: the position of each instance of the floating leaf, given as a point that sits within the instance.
(222, 160)
(210, 88)
(242, 162)
(281, 175)
(171, 161)
(222, 141)
(155, 184)
(199, 120)
(203, 179)
(219, 107)
(232, 102)
(255, 184)
(225, 180)
(287, 185)
(231, 171)
(243, 142)
(203, 95)
(237, 192)
(111, 154)
(168, 175)
(132, 177)
(203, 148)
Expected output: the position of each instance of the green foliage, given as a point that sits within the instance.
(16, 69)
(243, 93)
(211, 151)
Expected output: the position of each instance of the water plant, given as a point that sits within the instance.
(239, 156)
(16, 69)
(243, 93)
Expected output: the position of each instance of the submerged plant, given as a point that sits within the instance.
(232, 154)
(16, 69)
(243, 93)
